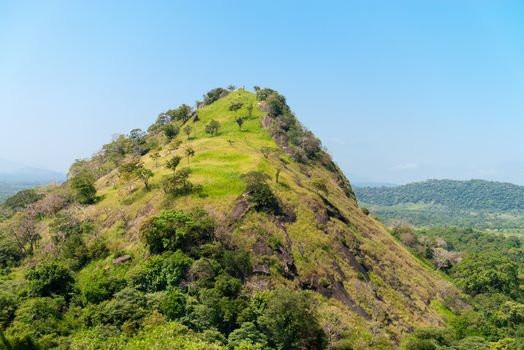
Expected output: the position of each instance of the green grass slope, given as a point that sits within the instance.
(367, 287)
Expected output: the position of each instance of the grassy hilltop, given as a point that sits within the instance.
(218, 259)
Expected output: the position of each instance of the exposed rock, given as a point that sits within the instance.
(262, 269)
(121, 259)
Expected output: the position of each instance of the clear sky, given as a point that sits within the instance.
(397, 90)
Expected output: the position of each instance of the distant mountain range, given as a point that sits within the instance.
(472, 194)
(16, 176)
(14, 172)
(477, 203)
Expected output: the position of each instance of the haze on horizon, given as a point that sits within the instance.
(397, 92)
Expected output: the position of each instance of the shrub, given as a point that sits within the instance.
(173, 305)
(236, 263)
(83, 186)
(289, 322)
(37, 317)
(173, 162)
(177, 229)
(23, 199)
(487, 272)
(260, 194)
(128, 305)
(214, 95)
(161, 272)
(212, 127)
(8, 305)
(50, 279)
(171, 131)
(247, 334)
(10, 253)
(178, 184)
(100, 287)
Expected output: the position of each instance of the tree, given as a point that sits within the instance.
(212, 127)
(178, 183)
(177, 229)
(161, 272)
(155, 156)
(487, 272)
(173, 162)
(181, 114)
(171, 131)
(231, 87)
(144, 174)
(190, 152)
(22, 228)
(235, 106)
(83, 186)
(250, 110)
(289, 321)
(50, 279)
(135, 169)
(277, 173)
(23, 199)
(187, 131)
(214, 95)
(240, 122)
(260, 194)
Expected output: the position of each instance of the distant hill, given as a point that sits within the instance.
(473, 194)
(476, 203)
(16, 176)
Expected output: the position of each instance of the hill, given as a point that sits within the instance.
(472, 194)
(227, 226)
(15, 177)
(475, 203)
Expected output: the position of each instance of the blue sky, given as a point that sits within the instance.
(397, 90)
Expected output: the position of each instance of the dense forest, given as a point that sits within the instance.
(489, 268)
(458, 195)
(479, 204)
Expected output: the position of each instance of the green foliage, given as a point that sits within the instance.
(10, 253)
(83, 186)
(171, 131)
(260, 194)
(487, 272)
(247, 335)
(50, 279)
(473, 194)
(214, 95)
(128, 305)
(100, 286)
(173, 162)
(190, 152)
(23, 199)
(180, 114)
(187, 130)
(235, 106)
(8, 306)
(240, 121)
(173, 304)
(289, 321)
(212, 127)
(177, 229)
(38, 317)
(135, 168)
(178, 184)
(161, 272)
(236, 263)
